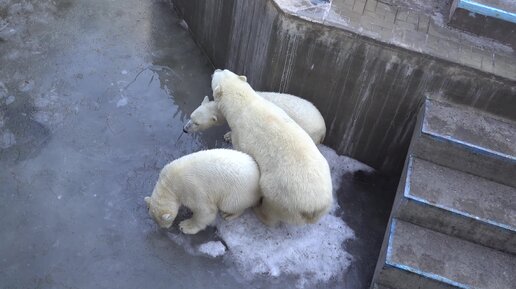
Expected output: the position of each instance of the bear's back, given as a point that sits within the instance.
(214, 170)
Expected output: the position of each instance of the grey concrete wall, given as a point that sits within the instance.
(368, 92)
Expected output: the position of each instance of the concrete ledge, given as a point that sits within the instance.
(379, 286)
(487, 18)
(500, 9)
(368, 91)
(413, 26)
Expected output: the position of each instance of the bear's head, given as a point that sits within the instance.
(219, 77)
(162, 215)
(204, 117)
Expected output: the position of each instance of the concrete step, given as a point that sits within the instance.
(467, 140)
(416, 257)
(379, 286)
(458, 204)
(495, 19)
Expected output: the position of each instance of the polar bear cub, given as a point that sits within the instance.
(303, 112)
(205, 182)
(295, 178)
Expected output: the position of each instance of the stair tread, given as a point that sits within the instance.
(380, 286)
(470, 127)
(447, 259)
(461, 193)
(491, 7)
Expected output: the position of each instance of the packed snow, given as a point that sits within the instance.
(213, 248)
(314, 253)
(311, 253)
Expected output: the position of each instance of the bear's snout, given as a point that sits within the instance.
(187, 127)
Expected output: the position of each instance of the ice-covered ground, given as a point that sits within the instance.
(310, 253)
(93, 97)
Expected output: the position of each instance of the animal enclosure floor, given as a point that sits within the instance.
(93, 97)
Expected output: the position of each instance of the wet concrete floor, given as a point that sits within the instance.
(93, 96)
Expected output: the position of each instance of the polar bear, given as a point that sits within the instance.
(295, 178)
(205, 181)
(303, 112)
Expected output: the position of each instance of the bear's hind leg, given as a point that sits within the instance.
(266, 213)
(201, 218)
(231, 216)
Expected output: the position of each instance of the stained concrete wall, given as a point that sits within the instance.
(368, 92)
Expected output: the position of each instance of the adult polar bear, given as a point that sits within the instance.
(303, 112)
(295, 178)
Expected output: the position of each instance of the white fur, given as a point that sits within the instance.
(295, 178)
(205, 181)
(204, 117)
(303, 112)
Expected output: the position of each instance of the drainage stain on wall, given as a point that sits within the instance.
(368, 92)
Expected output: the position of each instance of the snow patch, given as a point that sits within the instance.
(10, 99)
(213, 248)
(51, 109)
(122, 102)
(340, 165)
(311, 253)
(7, 140)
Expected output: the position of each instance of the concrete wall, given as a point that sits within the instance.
(368, 92)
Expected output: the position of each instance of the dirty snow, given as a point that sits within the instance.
(340, 165)
(27, 47)
(213, 248)
(122, 102)
(311, 253)
(10, 99)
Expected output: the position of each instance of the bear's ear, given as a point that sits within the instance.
(147, 200)
(217, 92)
(214, 118)
(166, 217)
(243, 78)
(205, 100)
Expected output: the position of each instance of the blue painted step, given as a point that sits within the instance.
(416, 257)
(467, 140)
(503, 10)
(458, 204)
(495, 19)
